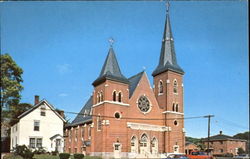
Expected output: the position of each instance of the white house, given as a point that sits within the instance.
(40, 126)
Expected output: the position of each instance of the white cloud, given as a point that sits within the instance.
(64, 68)
(63, 95)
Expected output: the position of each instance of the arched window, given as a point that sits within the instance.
(160, 87)
(120, 97)
(175, 86)
(144, 140)
(134, 147)
(173, 108)
(114, 96)
(101, 98)
(176, 107)
(98, 97)
(154, 146)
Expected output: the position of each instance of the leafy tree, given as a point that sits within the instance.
(240, 151)
(10, 82)
(11, 79)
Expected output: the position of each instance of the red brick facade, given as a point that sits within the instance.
(112, 131)
(129, 118)
(226, 146)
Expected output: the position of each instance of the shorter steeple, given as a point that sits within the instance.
(110, 70)
(168, 59)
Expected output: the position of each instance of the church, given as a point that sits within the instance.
(126, 117)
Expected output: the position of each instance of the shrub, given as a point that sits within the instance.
(64, 155)
(78, 156)
(23, 151)
(40, 150)
(54, 153)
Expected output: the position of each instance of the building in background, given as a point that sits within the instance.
(126, 117)
(39, 127)
(189, 147)
(222, 144)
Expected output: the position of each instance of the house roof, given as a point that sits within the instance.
(167, 59)
(39, 104)
(133, 82)
(54, 136)
(110, 70)
(81, 118)
(221, 137)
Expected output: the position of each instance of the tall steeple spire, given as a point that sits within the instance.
(168, 59)
(110, 69)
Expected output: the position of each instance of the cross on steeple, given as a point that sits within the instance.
(167, 5)
(111, 41)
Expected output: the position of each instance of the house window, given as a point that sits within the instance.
(114, 96)
(32, 142)
(120, 97)
(69, 150)
(144, 140)
(160, 87)
(175, 86)
(39, 142)
(43, 110)
(75, 150)
(36, 125)
(221, 150)
(221, 142)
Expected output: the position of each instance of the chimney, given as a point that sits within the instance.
(61, 112)
(36, 99)
(220, 132)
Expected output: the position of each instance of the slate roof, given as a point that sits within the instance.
(110, 70)
(221, 137)
(80, 118)
(133, 82)
(167, 59)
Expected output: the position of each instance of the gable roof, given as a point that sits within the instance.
(39, 104)
(80, 118)
(133, 82)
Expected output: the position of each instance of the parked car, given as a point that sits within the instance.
(245, 156)
(199, 155)
(180, 156)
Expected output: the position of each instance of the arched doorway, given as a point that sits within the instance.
(134, 144)
(144, 145)
(154, 146)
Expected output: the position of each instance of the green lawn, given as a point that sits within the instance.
(11, 156)
(57, 157)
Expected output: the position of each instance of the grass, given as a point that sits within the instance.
(11, 156)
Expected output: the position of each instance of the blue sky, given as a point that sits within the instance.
(61, 47)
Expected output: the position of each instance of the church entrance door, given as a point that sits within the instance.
(117, 150)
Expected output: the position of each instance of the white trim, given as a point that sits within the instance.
(111, 102)
(140, 126)
(172, 112)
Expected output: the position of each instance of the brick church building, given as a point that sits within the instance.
(126, 117)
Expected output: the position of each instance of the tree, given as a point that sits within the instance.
(10, 82)
(240, 151)
(11, 79)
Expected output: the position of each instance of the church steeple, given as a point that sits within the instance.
(167, 59)
(110, 70)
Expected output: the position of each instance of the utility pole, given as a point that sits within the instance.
(208, 132)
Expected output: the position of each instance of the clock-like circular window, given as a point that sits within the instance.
(143, 104)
